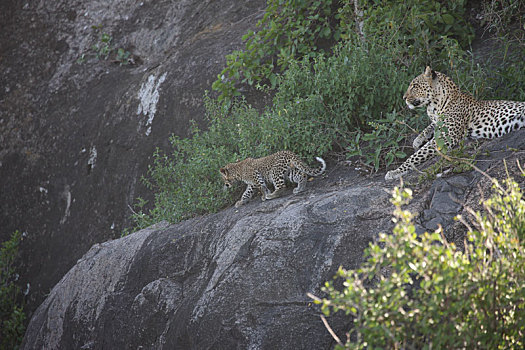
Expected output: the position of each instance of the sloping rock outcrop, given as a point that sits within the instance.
(238, 279)
(77, 132)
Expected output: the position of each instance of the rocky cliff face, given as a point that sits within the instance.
(238, 279)
(77, 132)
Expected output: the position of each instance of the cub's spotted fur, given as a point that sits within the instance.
(274, 169)
(462, 115)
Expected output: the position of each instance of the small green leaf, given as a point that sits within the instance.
(448, 19)
(325, 33)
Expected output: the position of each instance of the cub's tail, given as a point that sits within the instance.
(312, 172)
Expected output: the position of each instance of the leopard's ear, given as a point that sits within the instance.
(223, 171)
(430, 74)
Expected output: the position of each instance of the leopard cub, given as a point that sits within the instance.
(273, 169)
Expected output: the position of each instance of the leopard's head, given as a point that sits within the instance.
(228, 175)
(421, 89)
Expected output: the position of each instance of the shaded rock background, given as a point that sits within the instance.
(238, 279)
(75, 137)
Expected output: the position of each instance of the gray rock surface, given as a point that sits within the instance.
(233, 280)
(238, 279)
(450, 195)
(75, 137)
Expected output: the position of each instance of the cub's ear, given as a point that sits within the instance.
(430, 74)
(223, 171)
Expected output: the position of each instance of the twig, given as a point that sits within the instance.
(245, 18)
(332, 333)
(402, 122)
(519, 166)
(133, 211)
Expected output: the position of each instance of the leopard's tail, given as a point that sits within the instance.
(312, 172)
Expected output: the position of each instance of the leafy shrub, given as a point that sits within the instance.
(289, 29)
(342, 99)
(498, 15)
(506, 78)
(421, 30)
(386, 142)
(103, 48)
(352, 99)
(356, 84)
(11, 311)
(457, 160)
(422, 292)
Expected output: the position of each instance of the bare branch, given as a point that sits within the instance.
(332, 333)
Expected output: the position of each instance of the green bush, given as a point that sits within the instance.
(498, 15)
(289, 29)
(352, 99)
(292, 30)
(421, 292)
(419, 29)
(506, 80)
(11, 310)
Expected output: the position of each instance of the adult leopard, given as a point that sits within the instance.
(461, 114)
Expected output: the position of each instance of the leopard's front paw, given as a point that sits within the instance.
(393, 174)
(239, 203)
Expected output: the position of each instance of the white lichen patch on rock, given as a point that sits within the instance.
(148, 98)
(66, 195)
(92, 157)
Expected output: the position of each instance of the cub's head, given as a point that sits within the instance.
(228, 175)
(421, 89)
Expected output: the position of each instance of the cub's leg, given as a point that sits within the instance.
(262, 186)
(422, 138)
(299, 178)
(279, 184)
(248, 193)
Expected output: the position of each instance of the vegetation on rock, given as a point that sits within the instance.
(12, 314)
(421, 292)
(345, 99)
